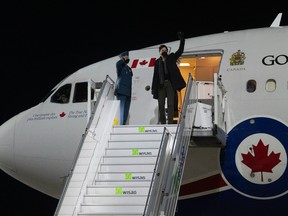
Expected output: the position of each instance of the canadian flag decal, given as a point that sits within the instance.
(143, 63)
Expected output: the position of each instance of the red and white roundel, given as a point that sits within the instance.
(254, 161)
(261, 159)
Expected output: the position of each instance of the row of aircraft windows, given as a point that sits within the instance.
(62, 95)
(270, 85)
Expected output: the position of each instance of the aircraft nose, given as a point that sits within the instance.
(7, 131)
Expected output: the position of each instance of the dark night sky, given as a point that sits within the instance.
(44, 41)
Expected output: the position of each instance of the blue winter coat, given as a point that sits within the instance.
(124, 79)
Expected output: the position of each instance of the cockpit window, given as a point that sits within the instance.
(251, 86)
(80, 93)
(62, 95)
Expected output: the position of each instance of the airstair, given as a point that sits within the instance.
(132, 169)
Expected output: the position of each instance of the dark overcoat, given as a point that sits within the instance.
(176, 78)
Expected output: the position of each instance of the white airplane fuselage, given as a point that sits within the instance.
(38, 146)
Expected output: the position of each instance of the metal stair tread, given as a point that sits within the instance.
(124, 180)
(100, 213)
(146, 125)
(128, 148)
(116, 204)
(111, 164)
(107, 195)
(136, 133)
(134, 140)
(158, 140)
(114, 172)
(112, 186)
(110, 195)
(126, 156)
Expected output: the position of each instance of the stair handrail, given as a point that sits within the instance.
(108, 82)
(156, 190)
(180, 149)
(104, 94)
(162, 188)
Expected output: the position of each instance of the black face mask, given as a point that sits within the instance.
(127, 61)
(164, 54)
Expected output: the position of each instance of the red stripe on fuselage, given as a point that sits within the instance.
(206, 184)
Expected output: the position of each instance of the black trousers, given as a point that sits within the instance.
(166, 91)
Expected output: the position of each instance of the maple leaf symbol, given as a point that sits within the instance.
(144, 62)
(62, 114)
(261, 161)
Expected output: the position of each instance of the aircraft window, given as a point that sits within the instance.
(62, 95)
(270, 85)
(251, 86)
(80, 93)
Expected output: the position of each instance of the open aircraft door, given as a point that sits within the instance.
(142, 65)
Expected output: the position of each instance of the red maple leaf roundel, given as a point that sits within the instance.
(261, 161)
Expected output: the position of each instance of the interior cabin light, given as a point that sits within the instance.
(184, 64)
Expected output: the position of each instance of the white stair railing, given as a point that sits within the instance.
(71, 196)
(169, 168)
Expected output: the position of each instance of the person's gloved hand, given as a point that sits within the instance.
(180, 35)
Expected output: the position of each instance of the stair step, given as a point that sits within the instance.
(144, 129)
(135, 137)
(120, 191)
(148, 159)
(132, 151)
(113, 209)
(134, 144)
(113, 200)
(127, 176)
(122, 183)
(108, 214)
(127, 167)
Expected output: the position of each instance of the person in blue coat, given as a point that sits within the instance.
(123, 89)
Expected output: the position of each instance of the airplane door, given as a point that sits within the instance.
(144, 109)
(201, 66)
